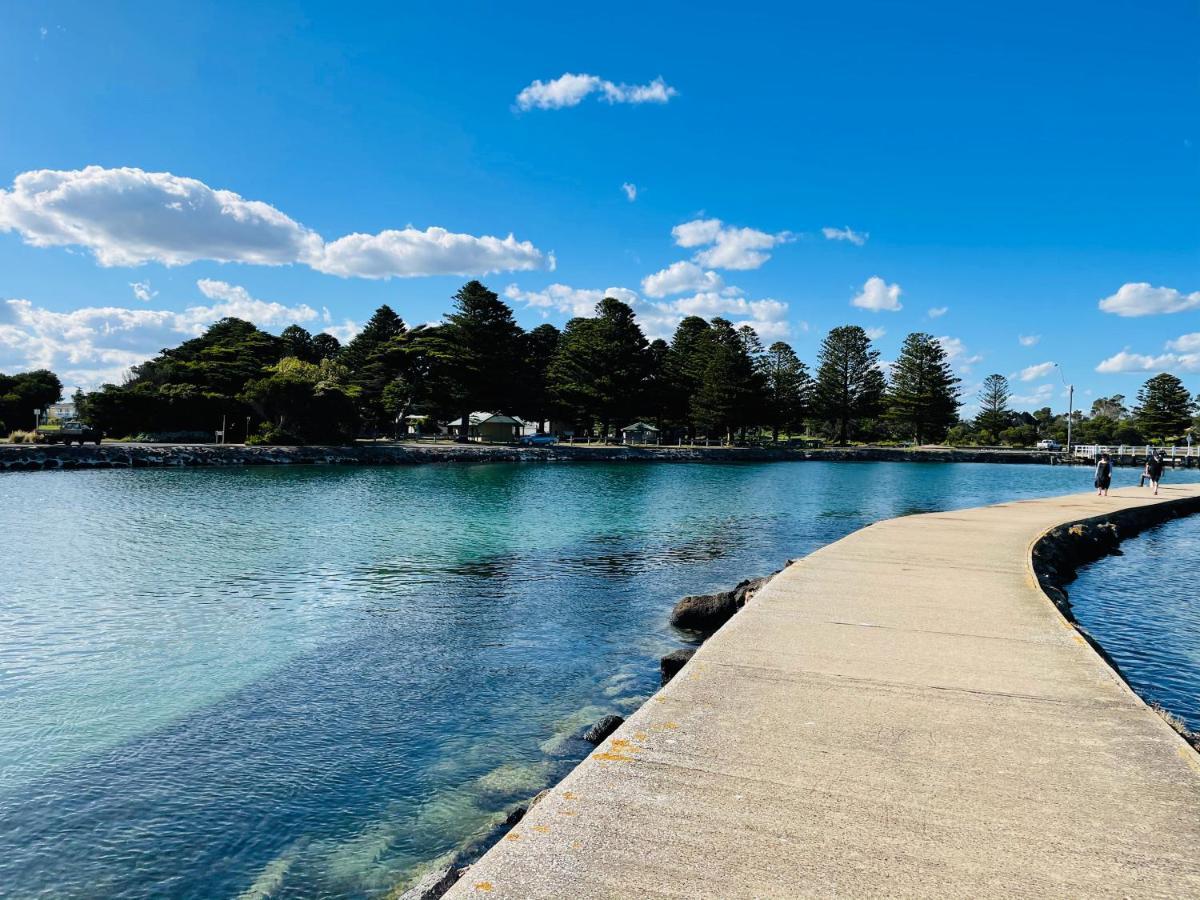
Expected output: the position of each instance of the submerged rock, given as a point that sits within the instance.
(670, 664)
(603, 729)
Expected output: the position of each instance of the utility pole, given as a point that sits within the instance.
(1070, 406)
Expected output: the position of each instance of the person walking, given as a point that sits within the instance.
(1155, 463)
(1103, 475)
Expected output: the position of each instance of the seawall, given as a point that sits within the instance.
(904, 713)
(22, 457)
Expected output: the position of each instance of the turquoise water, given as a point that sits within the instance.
(308, 682)
(1144, 609)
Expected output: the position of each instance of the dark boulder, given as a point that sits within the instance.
(708, 612)
(433, 885)
(603, 729)
(670, 664)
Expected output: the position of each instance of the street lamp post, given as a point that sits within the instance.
(1070, 406)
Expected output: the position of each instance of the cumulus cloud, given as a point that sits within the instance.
(570, 89)
(1183, 355)
(877, 295)
(95, 344)
(658, 318)
(142, 291)
(680, 277)
(128, 217)
(1029, 340)
(566, 299)
(726, 247)
(1033, 373)
(857, 238)
(936, 312)
(1140, 299)
(1039, 396)
(630, 190)
(876, 333)
(411, 253)
(768, 317)
(958, 354)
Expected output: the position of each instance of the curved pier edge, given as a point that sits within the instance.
(1056, 556)
(825, 740)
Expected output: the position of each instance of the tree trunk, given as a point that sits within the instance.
(464, 433)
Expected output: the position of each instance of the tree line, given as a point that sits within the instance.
(599, 373)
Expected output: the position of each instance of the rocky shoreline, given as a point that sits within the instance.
(25, 457)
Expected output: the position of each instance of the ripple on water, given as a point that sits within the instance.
(313, 681)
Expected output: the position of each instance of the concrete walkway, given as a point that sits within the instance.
(902, 713)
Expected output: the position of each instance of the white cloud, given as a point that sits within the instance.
(936, 312)
(91, 345)
(858, 238)
(566, 299)
(679, 277)
(1187, 343)
(344, 332)
(128, 217)
(411, 253)
(630, 190)
(1040, 396)
(571, 89)
(1033, 373)
(1029, 340)
(878, 295)
(142, 291)
(876, 333)
(731, 248)
(957, 353)
(1140, 299)
(768, 317)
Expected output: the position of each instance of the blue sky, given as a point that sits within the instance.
(1007, 167)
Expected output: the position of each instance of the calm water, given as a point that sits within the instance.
(309, 682)
(1144, 609)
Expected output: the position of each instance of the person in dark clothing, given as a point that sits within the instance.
(1154, 469)
(1103, 475)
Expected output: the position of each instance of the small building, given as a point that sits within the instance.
(63, 412)
(486, 426)
(639, 433)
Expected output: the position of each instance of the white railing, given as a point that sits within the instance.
(1093, 451)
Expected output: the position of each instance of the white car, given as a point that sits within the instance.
(1049, 445)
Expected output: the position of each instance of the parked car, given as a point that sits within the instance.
(1049, 445)
(538, 440)
(68, 433)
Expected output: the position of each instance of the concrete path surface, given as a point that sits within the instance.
(902, 713)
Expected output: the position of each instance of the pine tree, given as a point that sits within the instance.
(685, 366)
(371, 359)
(476, 355)
(788, 389)
(923, 397)
(994, 414)
(1164, 407)
(601, 365)
(850, 385)
(723, 399)
(538, 348)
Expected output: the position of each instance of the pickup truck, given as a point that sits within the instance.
(68, 433)
(1049, 445)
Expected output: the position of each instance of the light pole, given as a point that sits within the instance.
(1070, 405)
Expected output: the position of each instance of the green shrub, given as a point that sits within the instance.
(273, 434)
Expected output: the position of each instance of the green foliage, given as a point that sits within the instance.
(600, 367)
(534, 402)
(850, 385)
(307, 401)
(21, 394)
(994, 415)
(729, 383)
(474, 357)
(1164, 408)
(787, 389)
(923, 398)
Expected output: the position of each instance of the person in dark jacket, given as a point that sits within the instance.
(1103, 475)
(1155, 464)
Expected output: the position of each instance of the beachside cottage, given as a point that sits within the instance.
(486, 426)
(639, 433)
